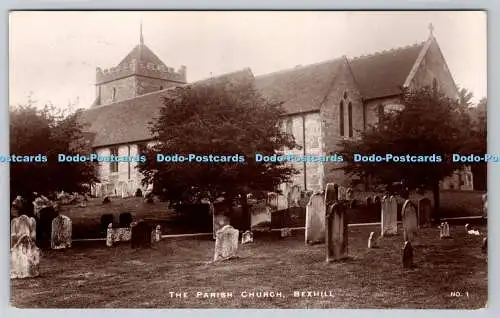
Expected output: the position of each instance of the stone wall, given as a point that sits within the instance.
(122, 89)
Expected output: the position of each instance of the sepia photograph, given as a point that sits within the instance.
(248, 159)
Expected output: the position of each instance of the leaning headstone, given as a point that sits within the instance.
(226, 243)
(61, 233)
(141, 235)
(484, 246)
(410, 221)
(407, 255)
(247, 237)
(389, 216)
(25, 255)
(424, 212)
(315, 219)
(336, 233)
(286, 232)
(125, 219)
(372, 241)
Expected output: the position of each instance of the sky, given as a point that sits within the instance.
(54, 55)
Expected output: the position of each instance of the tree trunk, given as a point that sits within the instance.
(246, 221)
(435, 192)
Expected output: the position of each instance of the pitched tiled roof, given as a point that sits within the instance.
(383, 74)
(301, 89)
(142, 54)
(128, 120)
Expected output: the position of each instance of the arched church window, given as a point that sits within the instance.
(435, 85)
(341, 118)
(349, 112)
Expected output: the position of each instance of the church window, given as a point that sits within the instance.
(434, 85)
(113, 94)
(113, 166)
(341, 117)
(289, 126)
(349, 112)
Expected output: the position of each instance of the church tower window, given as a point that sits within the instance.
(349, 112)
(341, 117)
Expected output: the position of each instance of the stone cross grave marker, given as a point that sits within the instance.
(226, 243)
(61, 232)
(247, 237)
(336, 233)
(25, 255)
(424, 212)
(410, 221)
(389, 217)
(315, 219)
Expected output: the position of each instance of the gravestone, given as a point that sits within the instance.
(342, 193)
(286, 232)
(138, 193)
(410, 221)
(424, 212)
(125, 219)
(282, 202)
(389, 216)
(372, 241)
(294, 197)
(407, 255)
(484, 246)
(106, 219)
(110, 235)
(61, 232)
(44, 227)
(331, 193)
(156, 234)
(272, 201)
(25, 255)
(226, 243)
(106, 200)
(445, 231)
(336, 233)
(315, 219)
(260, 215)
(247, 237)
(350, 194)
(219, 218)
(141, 235)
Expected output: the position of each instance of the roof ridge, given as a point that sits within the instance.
(392, 50)
(337, 59)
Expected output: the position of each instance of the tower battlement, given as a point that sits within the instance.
(159, 71)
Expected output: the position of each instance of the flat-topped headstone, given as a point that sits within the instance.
(336, 233)
(226, 243)
(389, 216)
(141, 235)
(61, 232)
(247, 237)
(44, 227)
(315, 219)
(407, 255)
(125, 219)
(410, 221)
(424, 212)
(25, 255)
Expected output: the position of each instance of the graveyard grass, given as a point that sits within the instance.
(121, 277)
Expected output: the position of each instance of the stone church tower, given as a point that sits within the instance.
(139, 73)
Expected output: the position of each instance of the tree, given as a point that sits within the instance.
(46, 133)
(427, 124)
(217, 119)
(477, 142)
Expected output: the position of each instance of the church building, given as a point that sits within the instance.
(324, 103)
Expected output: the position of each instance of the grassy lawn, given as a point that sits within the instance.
(99, 277)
